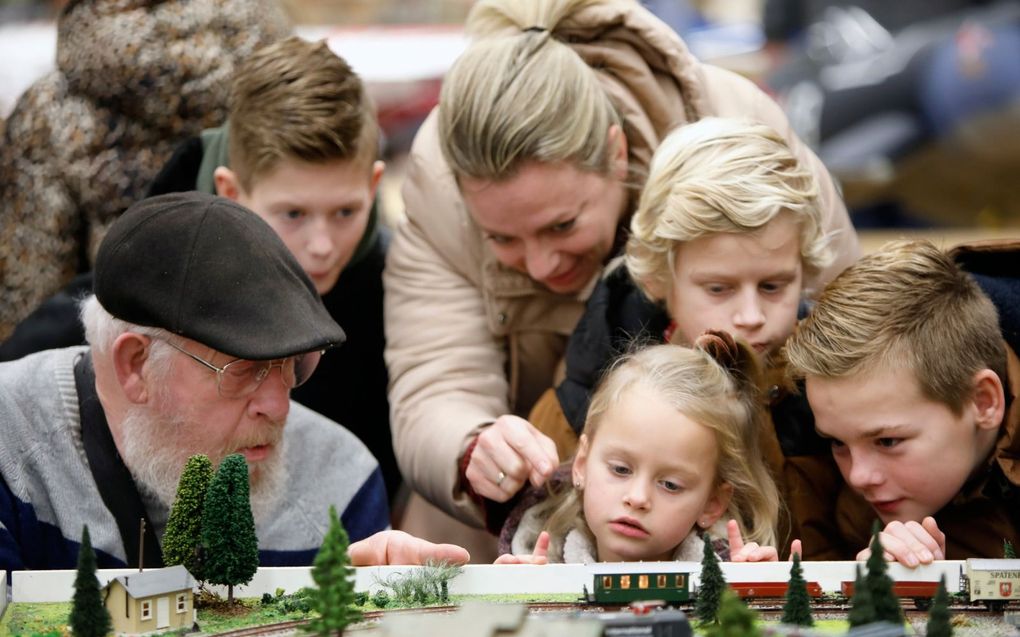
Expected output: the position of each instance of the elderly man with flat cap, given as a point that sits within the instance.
(201, 323)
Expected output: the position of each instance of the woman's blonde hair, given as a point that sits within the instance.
(518, 94)
(719, 175)
(716, 384)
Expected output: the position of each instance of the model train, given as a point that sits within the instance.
(992, 582)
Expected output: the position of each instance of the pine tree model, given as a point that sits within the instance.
(1008, 552)
(862, 608)
(797, 609)
(230, 548)
(735, 619)
(880, 585)
(712, 585)
(334, 577)
(183, 535)
(89, 617)
(939, 624)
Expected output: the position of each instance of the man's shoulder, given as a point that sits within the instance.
(39, 365)
(313, 437)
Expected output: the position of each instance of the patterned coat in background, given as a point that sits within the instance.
(134, 78)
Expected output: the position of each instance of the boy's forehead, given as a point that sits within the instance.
(867, 402)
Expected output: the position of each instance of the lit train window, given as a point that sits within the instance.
(642, 581)
(607, 581)
(660, 581)
(679, 581)
(625, 581)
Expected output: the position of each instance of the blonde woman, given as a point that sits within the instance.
(668, 454)
(520, 188)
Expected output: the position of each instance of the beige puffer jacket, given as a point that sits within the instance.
(468, 339)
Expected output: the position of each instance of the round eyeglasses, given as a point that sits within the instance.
(241, 377)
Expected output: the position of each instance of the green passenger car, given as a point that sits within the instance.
(623, 588)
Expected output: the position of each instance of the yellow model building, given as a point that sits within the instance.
(151, 601)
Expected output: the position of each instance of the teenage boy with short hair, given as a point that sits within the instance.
(911, 373)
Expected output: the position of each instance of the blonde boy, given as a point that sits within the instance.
(906, 372)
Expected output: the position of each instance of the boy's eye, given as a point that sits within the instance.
(294, 214)
(771, 287)
(888, 443)
(619, 469)
(563, 226)
(716, 288)
(343, 213)
(837, 445)
(500, 239)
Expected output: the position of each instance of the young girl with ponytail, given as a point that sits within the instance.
(669, 452)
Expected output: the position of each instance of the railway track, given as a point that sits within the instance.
(768, 610)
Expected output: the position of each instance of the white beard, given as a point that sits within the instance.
(155, 450)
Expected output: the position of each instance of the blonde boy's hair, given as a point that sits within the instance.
(715, 385)
(907, 306)
(719, 175)
(519, 94)
(296, 99)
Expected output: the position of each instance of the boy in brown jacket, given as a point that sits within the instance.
(911, 371)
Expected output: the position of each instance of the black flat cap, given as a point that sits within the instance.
(211, 270)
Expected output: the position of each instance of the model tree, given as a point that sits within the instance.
(89, 617)
(712, 585)
(230, 548)
(735, 619)
(862, 609)
(939, 624)
(880, 585)
(797, 609)
(334, 576)
(1008, 553)
(183, 535)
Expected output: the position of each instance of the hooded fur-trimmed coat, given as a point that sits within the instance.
(133, 79)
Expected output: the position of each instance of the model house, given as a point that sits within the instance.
(151, 601)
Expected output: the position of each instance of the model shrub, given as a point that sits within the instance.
(183, 536)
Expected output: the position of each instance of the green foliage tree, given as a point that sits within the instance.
(712, 585)
(939, 624)
(89, 617)
(230, 553)
(862, 609)
(735, 618)
(1008, 552)
(183, 536)
(797, 608)
(880, 585)
(333, 574)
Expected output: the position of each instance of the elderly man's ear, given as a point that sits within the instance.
(130, 351)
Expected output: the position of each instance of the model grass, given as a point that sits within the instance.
(426, 586)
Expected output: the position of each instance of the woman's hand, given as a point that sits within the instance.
(509, 453)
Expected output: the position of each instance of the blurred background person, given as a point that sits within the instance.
(132, 80)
